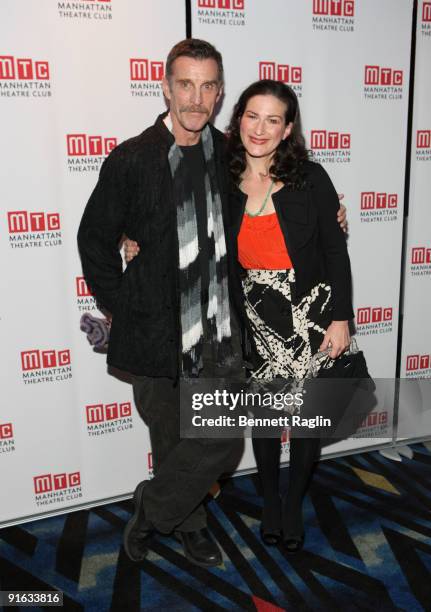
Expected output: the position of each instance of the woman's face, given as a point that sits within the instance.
(263, 125)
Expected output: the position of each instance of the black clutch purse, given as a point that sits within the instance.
(344, 392)
(350, 364)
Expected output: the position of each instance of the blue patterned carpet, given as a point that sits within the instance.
(368, 547)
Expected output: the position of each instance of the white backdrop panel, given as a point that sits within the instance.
(416, 347)
(59, 129)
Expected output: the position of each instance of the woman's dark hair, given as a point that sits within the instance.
(290, 153)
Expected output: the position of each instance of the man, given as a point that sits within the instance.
(167, 190)
(170, 309)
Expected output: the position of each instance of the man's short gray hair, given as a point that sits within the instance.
(197, 49)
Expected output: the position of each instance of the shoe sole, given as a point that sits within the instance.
(202, 563)
(137, 501)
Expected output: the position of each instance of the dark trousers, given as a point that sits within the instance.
(184, 469)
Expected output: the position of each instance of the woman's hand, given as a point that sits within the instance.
(338, 337)
(342, 215)
(131, 249)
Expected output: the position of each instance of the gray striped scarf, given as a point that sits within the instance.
(217, 313)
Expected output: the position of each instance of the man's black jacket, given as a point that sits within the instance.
(134, 197)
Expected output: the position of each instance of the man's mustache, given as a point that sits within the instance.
(194, 109)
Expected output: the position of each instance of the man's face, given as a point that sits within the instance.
(193, 91)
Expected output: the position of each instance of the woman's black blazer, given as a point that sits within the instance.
(315, 242)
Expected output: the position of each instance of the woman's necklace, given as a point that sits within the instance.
(261, 209)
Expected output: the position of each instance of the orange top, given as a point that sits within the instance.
(261, 244)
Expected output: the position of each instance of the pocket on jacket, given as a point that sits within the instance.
(297, 208)
(299, 219)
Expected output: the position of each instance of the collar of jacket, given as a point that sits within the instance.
(236, 192)
(163, 131)
(166, 135)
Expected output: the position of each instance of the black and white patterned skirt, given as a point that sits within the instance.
(287, 332)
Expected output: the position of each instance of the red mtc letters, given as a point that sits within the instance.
(83, 145)
(423, 139)
(375, 75)
(82, 289)
(56, 482)
(98, 413)
(280, 72)
(235, 5)
(35, 359)
(144, 70)
(6, 431)
(23, 221)
(23, 69)
(371, 200)
(339, 8)
(418, 362)
(321, 139)
(373, 315)
(421, 255)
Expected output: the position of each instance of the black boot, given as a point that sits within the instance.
(267, 455)
(303, 454)
(200, 548)
(139, 530)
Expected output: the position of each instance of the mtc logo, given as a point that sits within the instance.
(321, 139)
(375, 75)
(35, 360)
(421, 255)
(371, 200)
(6, 431)
(146, 70)
(417, 362)
(235, 5)
(83, 145)
(339, 8)
(20, 221)
(426, 11)
(280, 72)
(373, 315)
(82, 289)
(23, 69)
(423, 139)
(375, 418)
(98, 413)
(56, 482)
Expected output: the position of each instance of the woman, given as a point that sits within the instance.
(295, 274)
(297, 283)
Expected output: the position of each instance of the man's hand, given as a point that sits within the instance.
(338, 337)
(342, 215)
(131, 249)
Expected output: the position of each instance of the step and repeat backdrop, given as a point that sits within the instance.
(348, 62)
(416, 344)
(78, 78)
